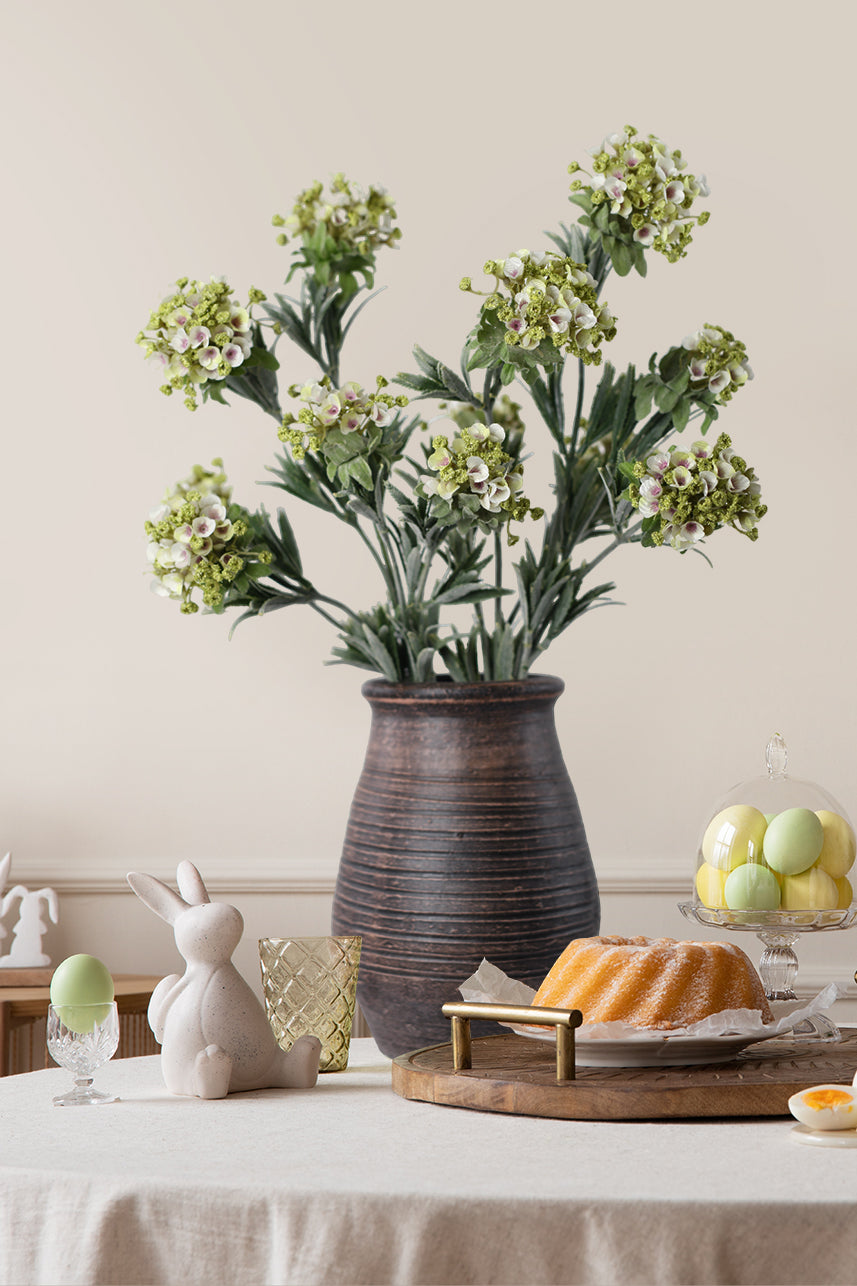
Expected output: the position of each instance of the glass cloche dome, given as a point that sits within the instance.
(776, 857)
(776, 848)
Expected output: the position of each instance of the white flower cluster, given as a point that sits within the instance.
(197, 334)
(696, 491)
(358, 218)
(473, 462)
(717, 360)
(191, 539)
(350, 409)
(644, 182)
(549, 297)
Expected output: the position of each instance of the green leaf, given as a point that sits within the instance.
(681, 414)
(261, 357)
(643, 398)
(583, 200)
(502, 652)
(288, 542)
(454, 663)
(356, 470)
(385, 662)
(666, 397)
(620, 253)
(487, 354)
(413, 568)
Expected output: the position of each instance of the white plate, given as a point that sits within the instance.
(824, 1138)
(658, 1050)
(653, 1049)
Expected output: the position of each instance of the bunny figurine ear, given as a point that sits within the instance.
(159, 897)
(191, 885)
(5, 864)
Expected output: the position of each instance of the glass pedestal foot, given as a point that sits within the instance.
(778, 970)
(84, 1095)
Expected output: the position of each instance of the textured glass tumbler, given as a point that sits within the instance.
(310, 986)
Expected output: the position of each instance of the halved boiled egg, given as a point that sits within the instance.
(826, 1107)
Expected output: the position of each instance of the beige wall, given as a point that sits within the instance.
(147, 142)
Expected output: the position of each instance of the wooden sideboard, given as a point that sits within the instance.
(23, 1014)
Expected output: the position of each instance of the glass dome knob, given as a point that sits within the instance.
(776, 756)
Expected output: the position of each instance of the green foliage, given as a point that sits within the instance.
(429, 519)
(438, 381)
(255, 379)
(613, 234)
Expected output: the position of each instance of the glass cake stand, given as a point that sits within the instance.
(778, 929)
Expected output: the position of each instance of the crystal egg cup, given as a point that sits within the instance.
(774, 858)
(83, 1038)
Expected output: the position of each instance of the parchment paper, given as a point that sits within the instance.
(489, 984)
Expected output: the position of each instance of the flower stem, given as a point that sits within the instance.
(623, 539)
(578, 409)
(498, 578)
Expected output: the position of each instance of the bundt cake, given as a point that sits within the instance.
(652, 982)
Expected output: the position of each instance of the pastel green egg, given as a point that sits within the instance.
(81, 991)
(709, 886)
(840, 844)
(793, 841)
(810, 890)
(752, 887)
(733, 836)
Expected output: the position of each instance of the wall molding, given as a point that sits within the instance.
(283, 875)
(222, 875)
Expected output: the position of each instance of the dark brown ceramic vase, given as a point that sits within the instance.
(464, 841)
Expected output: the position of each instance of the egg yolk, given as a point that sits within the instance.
(820, 1099)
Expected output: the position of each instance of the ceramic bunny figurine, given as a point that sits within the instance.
(215, 1038)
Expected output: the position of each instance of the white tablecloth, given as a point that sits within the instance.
(348, 1183)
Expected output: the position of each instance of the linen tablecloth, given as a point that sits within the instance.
(348, 1183)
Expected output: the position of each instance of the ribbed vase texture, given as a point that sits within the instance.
(464, 842)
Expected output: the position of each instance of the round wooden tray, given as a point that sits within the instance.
(518, 1076)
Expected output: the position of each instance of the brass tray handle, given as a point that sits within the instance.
(563, 1020)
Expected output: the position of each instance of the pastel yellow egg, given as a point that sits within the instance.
(839, 848)
(846, 893)
(734, 836)
(810, 890)
(710, 886)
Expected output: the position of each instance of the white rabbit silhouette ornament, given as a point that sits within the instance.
(214, 1035)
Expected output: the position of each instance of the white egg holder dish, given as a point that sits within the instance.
(778, 930)
(824, 1138)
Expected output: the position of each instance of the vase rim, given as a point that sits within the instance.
(445, 690)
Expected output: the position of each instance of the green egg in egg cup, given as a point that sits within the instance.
(776, 858)
(83, 1026)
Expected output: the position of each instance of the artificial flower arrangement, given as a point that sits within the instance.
(439, 517)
